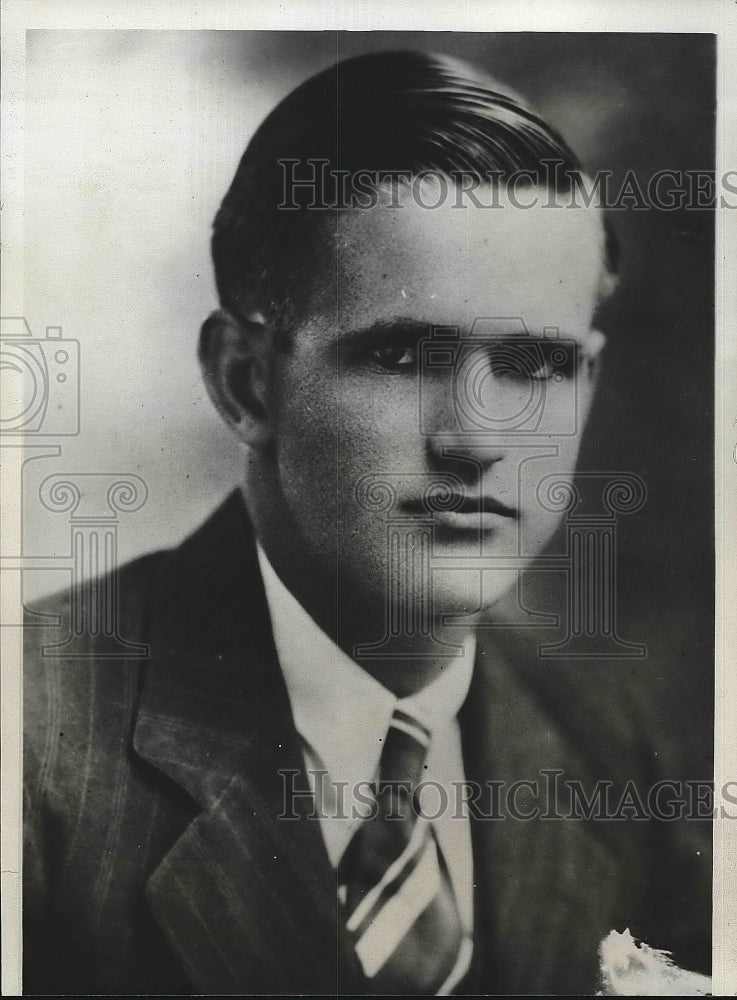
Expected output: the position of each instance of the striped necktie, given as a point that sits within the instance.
(402, 914)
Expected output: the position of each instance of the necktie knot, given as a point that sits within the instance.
(405, 751)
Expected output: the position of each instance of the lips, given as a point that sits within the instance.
(484, 505)
(464, 511)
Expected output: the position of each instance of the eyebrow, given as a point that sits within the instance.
(397, 325)
(407, 325)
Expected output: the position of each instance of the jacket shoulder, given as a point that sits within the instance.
(125, 589)
(94, 822)
(84, 644)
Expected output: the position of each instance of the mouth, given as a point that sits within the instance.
(468, 513)
(484, 505)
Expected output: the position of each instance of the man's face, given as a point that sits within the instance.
(368, 417)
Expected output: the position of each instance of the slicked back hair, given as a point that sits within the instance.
(390, 112)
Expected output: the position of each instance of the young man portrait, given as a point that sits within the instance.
(350, 755)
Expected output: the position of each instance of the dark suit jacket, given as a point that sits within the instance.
(155, 861)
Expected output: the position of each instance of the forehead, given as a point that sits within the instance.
(451, 264)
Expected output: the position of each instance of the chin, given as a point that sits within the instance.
(472, 592)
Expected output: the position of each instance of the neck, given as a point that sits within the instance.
(403, 676)
(403, 660)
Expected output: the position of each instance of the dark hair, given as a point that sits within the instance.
(385, 112)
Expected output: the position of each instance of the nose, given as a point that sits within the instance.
(456, 438)
(466, 455)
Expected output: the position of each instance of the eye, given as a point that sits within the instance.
(395, 358)
(559, 362)
(534, 362)
(543, 372)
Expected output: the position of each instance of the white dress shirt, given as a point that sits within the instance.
(342, 715)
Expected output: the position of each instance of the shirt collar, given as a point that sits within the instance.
(339, 710)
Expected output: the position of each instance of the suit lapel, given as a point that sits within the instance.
(246, 899)
(546, 887)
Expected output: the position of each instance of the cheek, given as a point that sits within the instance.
(374, 419)
(333, 430)
(549, 501)
(306, 435)
(543, 488)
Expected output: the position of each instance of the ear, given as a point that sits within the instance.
(235, 358)
(595, 343)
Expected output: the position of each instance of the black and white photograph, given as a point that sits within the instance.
(361, 432)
